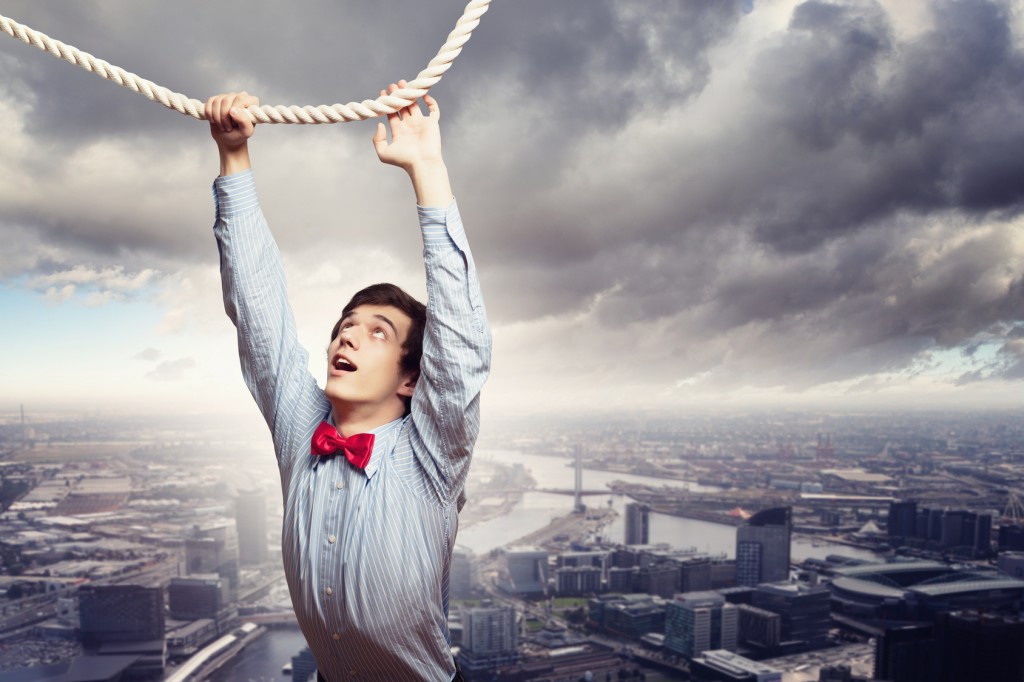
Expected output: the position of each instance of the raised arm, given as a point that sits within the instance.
(456, 339)
(274, 364)
(231, 129)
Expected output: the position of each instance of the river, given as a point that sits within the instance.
(537, 509)
(262, 660)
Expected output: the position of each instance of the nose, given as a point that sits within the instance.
(348, 338)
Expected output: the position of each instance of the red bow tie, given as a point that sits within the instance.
(357, 448)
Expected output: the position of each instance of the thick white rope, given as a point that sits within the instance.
(335, 113)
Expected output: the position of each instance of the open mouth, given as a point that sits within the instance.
(343, 365)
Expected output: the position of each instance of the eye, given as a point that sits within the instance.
(380, 333)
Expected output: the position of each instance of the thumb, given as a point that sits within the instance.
(380, 139)
(241, 119)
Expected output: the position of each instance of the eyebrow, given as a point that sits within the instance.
(351, 316)
(390, 323)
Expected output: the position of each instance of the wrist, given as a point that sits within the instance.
(234, 159)
(430, 183)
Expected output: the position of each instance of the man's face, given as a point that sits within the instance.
(363, 361)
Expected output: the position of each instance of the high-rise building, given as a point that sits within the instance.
(251, 521)
(213, 548)
(660, 579)
(980, 646)
(578, 505)
(196, 597)
(628, 615)
(760, 630)
(953, 523)
(578, 580)
(637, 524)
(902, 520)
(695, 575)
(461, 577)
(621, 579)
(958, 646)
(125, 620)
(698, 621)
(805, 613)
(120, 613)
(1011, 537)
(763, 547)
(983, 535)
(303, 665)
(907, 653)
(525, 571)
(489, 638)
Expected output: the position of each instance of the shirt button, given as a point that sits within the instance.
(340, 485)
(336, 636)
(352, 673)
(329, 591)
(331, 539)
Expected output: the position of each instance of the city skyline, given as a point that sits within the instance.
(693, 204)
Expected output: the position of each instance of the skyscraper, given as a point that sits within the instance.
(213, 548)
(489, 637)
(902, 519)
(637, 524)
(698, 621)
(251, 521)
(763, 547)
(460, 581)
(980, 646)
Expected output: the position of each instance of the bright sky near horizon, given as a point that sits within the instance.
(671, 203)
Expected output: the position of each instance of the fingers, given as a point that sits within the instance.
(435, 111)
(414, 108)
(392, 118)
(380, 140)
(218, 111)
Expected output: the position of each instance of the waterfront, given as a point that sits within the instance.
(537, 509)
(262, 661)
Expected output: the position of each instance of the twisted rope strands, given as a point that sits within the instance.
(334, 113)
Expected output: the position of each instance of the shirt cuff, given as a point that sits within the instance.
(235, 194)
(442, 228)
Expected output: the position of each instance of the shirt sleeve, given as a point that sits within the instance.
(456, 354)
(274, 365)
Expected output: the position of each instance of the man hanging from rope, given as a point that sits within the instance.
(373, 466)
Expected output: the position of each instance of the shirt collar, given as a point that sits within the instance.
(385, 437)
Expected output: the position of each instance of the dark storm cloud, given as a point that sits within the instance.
(859, 142)
(575, 66)
(826, 228)
(935, 122)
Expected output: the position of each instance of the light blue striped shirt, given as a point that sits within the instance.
(366, 553)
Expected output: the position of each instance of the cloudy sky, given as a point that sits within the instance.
(671, 202)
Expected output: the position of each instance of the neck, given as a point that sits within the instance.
(353, 419)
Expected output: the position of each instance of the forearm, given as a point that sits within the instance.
(234, 159)
(431, 184)
(456, 349)
(274, 364)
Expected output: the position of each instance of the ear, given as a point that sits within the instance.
(409, 385)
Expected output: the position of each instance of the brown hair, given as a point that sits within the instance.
(396, 297)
